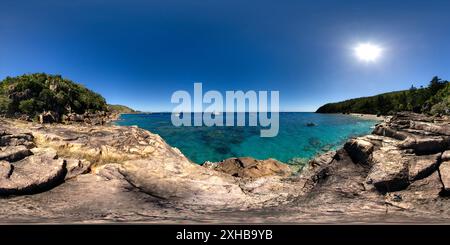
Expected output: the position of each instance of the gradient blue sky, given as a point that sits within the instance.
(137, 53)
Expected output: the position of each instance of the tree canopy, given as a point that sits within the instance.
(32, 94)
(434, 99)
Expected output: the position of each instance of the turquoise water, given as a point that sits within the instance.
(294, 142)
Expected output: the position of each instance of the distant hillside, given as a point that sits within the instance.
(434, 99)
(121, 109)
(32, 94)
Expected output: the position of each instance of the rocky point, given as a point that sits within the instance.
(79, 173)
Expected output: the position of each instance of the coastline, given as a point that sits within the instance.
(313, 140)
(99, 165)
(369, 116)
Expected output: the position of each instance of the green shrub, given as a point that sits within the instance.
(421, 100)
(32, 94)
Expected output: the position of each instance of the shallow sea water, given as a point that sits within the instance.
(295, 143)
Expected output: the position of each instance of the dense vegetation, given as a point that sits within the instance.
(120, 109)
(32, 94)
(434, 99)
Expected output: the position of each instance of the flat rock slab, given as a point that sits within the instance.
(181, 181)
(442, 129)
(16, 139)
(14, 153)
(389, 171)
(33, 174)
(422, 166)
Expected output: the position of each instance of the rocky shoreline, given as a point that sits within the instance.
(55, 173)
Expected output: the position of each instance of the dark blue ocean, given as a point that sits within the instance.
(295, 142)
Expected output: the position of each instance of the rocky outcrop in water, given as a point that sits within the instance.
(75, 173)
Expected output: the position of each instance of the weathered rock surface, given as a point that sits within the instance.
(75, 173)
(359, 150)
(14, 153)
(34, 174)
(5, 169)
(389, 171)
(422, 166)
(247, 167)
(48, 117)
(181, 181)
(444, 171)
(445, 156)
(77, 167)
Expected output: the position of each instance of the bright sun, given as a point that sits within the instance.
(368, 52)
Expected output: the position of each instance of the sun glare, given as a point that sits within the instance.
(368, 52)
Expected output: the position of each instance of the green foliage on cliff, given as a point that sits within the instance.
(434, 99)
(32, 94)
(121, 109)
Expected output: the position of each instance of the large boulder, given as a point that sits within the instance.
(77, 167)
(426, 145)
(439, 129)
(33, 174)
(359, 150)
(324, 159)
(48, 117)
(384, 130)
(247, 167)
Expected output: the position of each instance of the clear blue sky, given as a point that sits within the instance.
(138, 52)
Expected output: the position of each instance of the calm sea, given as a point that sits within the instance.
(296, 141)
